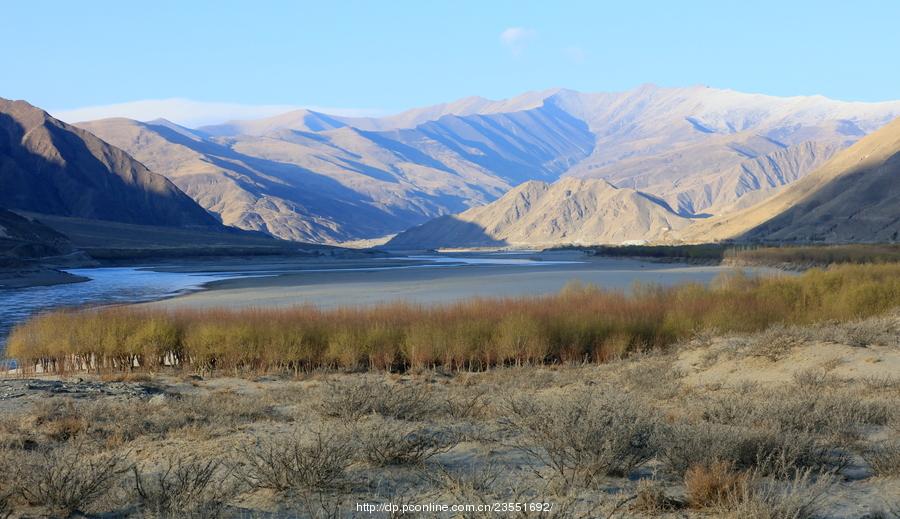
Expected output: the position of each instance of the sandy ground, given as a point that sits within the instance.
(369, 285)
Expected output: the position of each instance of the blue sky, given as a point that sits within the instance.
(391, 55)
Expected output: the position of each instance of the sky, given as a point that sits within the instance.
(203, 61)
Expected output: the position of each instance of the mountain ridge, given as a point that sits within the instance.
(305, 175)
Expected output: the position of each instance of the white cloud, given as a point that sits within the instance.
(191, 113)
(516, 39)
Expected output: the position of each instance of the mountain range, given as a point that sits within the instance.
(693, 152)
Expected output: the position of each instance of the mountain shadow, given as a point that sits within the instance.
(464, 234)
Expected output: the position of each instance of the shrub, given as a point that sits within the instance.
(821, 255)
(884, 459)
(288, 462)
(585, 436)
(357, 398)
(683, 445)
(185, 486)
(392, 442)
(760, 498)
(69, 478)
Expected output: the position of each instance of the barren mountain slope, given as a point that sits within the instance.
(853, 197)
(577, 211)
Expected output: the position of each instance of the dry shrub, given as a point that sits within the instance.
(117, 421)
(650, 498)
(802, 497)
(656, 376)
(775, 342)
(58, 419)
(185, 486)
(8, 488)
(465, 403)
(291, 462)
(385, 441)
(860, 334)
(69, 478)
(224, 408)
(814, 378)
(884, 459)
(683, 445)
(319, 505)
(354, 399)
(832, 413)
(473, 481)
(714, 484)
(583, 436)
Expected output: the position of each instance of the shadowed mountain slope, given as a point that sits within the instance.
(854, 197)
(48, 166)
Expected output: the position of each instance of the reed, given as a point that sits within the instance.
(813, 255)
(579, 324)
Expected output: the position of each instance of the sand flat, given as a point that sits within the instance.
(436, 284)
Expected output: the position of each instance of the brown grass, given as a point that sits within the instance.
(713, 485)
(579, 324)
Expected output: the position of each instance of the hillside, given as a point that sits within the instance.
(48, 166)
(569, 211)
(306, 175)
(347, 183)
(854, 197)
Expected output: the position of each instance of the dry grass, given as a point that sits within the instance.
(651, 499)
(713, 485)
(581, 323)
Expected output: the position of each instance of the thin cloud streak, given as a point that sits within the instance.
(192, 114)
